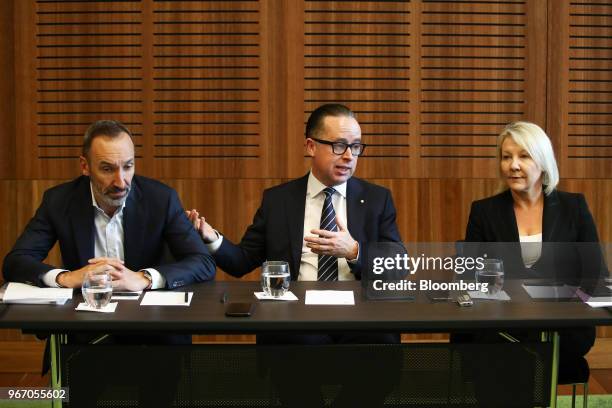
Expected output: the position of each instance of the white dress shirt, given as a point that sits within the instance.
(108, 242)
(312, 220)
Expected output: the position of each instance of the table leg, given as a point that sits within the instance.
(554, 337)
(56, 375)
(547, 337)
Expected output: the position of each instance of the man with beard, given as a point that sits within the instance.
(111, 220)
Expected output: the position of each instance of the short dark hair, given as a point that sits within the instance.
(108, 128)
(314, 126)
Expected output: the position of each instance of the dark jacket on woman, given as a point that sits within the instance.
(566, 220)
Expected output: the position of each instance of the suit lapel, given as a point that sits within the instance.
(294, 208)
(508, 219)
(82, 221)
(134, 226)
(550, 216)
(355, 208)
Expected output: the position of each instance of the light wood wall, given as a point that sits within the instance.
(217, 94)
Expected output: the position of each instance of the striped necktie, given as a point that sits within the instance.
(328, 265)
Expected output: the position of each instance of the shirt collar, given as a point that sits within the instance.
(94, 202)
(315, 187)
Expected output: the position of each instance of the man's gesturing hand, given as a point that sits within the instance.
(336, 243)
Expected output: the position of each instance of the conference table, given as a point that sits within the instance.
(205, 315)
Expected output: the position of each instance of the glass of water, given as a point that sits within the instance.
(275, 278)
(492, 273)
(97, 289)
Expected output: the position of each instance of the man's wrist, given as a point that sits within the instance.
(214, 245)
(355, 254)
(210, 241)
(60, 279)
(149, 278)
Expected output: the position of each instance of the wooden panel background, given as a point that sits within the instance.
(207, 83)
(7, 92)
(482, 66)
(217, 94)
(360, 52)
(580, 64)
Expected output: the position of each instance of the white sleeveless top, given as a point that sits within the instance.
(531, 248)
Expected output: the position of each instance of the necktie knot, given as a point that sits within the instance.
(329, 191)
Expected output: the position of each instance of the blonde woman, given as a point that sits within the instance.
(531, 210)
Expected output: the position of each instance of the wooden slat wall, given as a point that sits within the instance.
(206, 69)
(217, 94)
(188, 77)
(432, 82)
(579, 111)
(482, 66)
(7, 91)
(89, 65)
(359, 52)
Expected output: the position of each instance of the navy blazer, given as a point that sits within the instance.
(153, 219)
(277, 230)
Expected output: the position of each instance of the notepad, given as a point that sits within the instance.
(27, 294)
(159, 298)
(330, 297)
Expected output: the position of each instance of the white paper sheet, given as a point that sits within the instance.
(596, 303)
(501, 295)
(28, 294)
(330, 297)
(84, 307)
(158, 298)
(287, 296)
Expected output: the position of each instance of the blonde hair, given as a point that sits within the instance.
(536, 142)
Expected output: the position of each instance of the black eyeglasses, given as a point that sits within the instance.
(340, 147)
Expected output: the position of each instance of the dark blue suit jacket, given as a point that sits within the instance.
(153, 218)
(277, 230)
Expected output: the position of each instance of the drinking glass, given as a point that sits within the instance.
(492, 273)
(275, 278)
(97, 289)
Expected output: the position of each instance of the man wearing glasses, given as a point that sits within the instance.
(320, 224)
